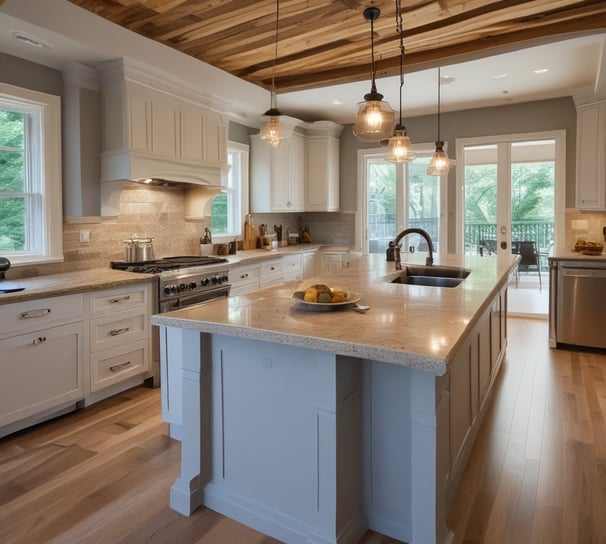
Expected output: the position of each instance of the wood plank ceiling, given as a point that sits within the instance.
(324, 42)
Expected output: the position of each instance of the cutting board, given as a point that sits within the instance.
(250, 236)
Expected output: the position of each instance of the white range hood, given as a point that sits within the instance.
(159, 131)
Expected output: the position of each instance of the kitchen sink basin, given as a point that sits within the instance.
(434, 276)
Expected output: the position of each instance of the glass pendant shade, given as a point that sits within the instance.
(440, 163)
(374, 120)
(271, 131)
(399, 149)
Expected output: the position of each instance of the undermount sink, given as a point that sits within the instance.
(433, 276)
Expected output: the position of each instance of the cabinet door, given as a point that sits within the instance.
(296, 173)
(309, 265)
(322, 187)
(331, 262)
(591, 157)
(164, 126)
(40, 371)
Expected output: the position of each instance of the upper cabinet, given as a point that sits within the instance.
(277, 182)
(591, 157)
(322, 187)
(302, 174)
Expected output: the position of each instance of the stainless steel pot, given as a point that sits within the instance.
(139, 250)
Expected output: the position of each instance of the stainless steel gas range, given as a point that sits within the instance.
(181, 282)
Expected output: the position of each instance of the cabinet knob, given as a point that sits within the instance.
(39, 340)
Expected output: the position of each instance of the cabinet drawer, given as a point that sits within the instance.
(271, 268)
(40, 371)
(119, 300)
(112, 330)
(114, 365)
(244, 276)
(292, 263)
(39, 314)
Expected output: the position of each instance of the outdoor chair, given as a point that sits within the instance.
(487, 247)
(529, 259)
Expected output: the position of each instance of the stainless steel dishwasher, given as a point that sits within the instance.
(580, 304)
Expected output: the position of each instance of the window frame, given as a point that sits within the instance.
(241, 204)
(46, 220)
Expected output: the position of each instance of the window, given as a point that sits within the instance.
(229, 208)
(30, 180)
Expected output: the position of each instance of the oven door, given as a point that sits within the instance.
(187, 301)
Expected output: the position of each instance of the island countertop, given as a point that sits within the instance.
(409, 325)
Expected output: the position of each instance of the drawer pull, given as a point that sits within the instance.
(116, 368)
(116, 332)
(244, 276)
(39, 340)
(117, 300)
(35, 313)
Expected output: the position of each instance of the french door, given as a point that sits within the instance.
(398, 196)
(510, 189)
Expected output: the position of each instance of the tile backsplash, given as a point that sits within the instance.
(586, 225)
(159, 213)
(145, 212)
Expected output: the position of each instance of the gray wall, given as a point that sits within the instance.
(30, 75)
(538, 116)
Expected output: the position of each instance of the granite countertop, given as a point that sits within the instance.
(250, 256)
(567, 254)
(71, 282)
(416, 326)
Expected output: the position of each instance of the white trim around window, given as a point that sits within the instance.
(46, 244)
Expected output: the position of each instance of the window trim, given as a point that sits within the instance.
(51, 248)
(244, 151)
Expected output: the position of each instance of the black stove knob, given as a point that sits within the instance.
(167, 289)
(216, 278)
(224, 277)
(192, 285)
(204, 282)
(182, 287)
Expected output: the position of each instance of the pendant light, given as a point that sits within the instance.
(399, 144)
(374, 120)
(440, 163)
(271, 132)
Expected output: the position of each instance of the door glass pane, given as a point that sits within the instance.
(382, 220)
(424, 202)
(533, 194)
(480, 234)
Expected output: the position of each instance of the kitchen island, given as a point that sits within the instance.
(314, 426)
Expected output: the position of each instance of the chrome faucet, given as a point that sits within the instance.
(397, 246)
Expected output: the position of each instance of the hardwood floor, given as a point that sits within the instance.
(536, 475)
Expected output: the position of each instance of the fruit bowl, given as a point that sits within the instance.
(350, 299)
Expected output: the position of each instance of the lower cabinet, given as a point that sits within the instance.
(470, 377)
(119, 345)
(331, 260)
(62, 352)
(243, 279)
(41, 367)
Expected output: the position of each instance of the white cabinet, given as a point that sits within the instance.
(309, 264)
(271, 272)
(591, 157)
(41, 366)
(119, 338)
(322, 156)
(277, 182)
(243, 279)
(331, 260)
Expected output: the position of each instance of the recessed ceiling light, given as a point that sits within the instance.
(540, 71)
(30, 40)
(500, 76)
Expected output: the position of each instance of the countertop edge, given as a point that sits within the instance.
(360, 351)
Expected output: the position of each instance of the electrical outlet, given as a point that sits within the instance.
(84, 236)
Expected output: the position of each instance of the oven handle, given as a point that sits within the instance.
(193, 300)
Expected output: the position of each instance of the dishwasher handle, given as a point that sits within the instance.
(583, 272)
